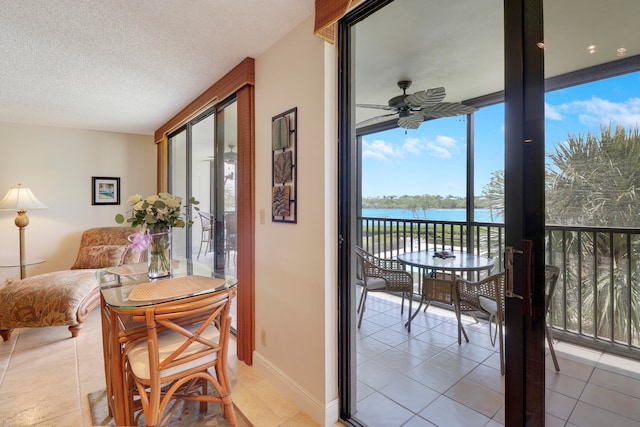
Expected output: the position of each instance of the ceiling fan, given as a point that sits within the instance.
(413, 109)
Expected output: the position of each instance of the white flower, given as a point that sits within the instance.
(135, 199)
(157, 211)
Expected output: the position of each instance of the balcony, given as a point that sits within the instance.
(596, 300)
(426, 378)
(426, 375)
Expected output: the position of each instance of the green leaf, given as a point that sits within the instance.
(119, 218)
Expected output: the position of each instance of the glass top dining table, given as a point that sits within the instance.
(461, 261)
(129, 286)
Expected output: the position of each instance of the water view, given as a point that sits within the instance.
(481, 215)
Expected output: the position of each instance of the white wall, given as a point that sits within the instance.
(296, 296)
(57, 164)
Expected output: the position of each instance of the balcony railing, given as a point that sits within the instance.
(597, 295)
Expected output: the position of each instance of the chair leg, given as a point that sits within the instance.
(361, 298)
(410, 298)
(200, 249)
(500, 336)
(460, 327)
(492, 335)
(547, 332)
(426, 306)
(363, 301)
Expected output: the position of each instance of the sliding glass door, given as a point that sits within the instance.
(416, 73)
(202, 164)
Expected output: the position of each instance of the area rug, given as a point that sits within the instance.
(187, 414)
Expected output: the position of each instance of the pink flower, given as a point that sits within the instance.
(139, 241)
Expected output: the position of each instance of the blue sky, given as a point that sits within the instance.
(431, 159)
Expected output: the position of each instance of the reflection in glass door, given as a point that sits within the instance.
(225, 194)
(202, 164)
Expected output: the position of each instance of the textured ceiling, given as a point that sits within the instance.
(130, 65)
(126, 65)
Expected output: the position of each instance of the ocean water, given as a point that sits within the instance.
(481, 215)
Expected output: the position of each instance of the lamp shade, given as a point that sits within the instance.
(20, 198)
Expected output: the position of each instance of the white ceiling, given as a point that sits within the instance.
(126, 65)
(459, 44)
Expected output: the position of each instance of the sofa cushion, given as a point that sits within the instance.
(112, 236)
(99, 256)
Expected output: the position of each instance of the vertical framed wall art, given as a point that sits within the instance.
(284, 162)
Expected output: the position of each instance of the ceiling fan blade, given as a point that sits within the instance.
(377, 106)
(448, 109)
(426, 98)
(412, 121)
(376, 120)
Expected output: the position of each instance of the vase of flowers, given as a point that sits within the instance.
(159, 254)
(155, 215)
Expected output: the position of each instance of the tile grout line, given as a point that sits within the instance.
(9, 359)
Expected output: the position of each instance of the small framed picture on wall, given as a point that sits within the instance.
(105, 191)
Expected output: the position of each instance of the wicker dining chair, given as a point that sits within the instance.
(383, 275)
(184, 340)
(485, 296)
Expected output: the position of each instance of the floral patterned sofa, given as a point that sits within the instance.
(65, 298)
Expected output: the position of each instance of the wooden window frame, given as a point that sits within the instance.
(240, 81)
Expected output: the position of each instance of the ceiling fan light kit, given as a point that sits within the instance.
(412, 109)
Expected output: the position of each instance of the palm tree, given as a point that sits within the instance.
(493, 193)
(592, 181)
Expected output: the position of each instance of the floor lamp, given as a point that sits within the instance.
(21, 199)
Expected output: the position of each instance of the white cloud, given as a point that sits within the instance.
(443, 147)
(413, 145)
(597, 111)
(446, 141)
(551, 112)
(438, 151)
(379, 149)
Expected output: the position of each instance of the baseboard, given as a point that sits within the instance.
(325, 415)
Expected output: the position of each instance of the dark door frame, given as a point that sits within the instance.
(524, 210)
(524, 206)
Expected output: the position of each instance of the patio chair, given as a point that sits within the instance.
(485, 296)
(206, 238)
(383, 275)
(231, 229)
(551, 273)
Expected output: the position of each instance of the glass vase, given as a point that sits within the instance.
(159, 254)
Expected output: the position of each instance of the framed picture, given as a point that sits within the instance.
(105, 191)
(284, 162)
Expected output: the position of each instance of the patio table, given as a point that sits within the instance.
(439, 286)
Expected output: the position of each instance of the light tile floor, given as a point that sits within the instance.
(45, 377)
(425, 378)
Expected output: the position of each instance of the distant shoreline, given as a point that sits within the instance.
(481, 215)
